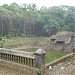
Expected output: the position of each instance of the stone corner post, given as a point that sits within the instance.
(39, 57)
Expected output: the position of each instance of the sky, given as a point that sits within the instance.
(40, 3)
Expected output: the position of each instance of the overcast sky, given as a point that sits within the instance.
(41, 3)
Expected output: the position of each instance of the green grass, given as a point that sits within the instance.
(63, 32)
(52, 55)
(15, 42)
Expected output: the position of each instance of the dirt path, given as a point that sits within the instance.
(25, 47)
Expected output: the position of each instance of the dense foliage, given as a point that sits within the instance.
(27, 20)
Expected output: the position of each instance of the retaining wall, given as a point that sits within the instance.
(29, 70)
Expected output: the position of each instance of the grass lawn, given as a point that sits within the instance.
(52, 55)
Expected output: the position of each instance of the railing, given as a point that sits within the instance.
(20, 57)
(17, 59)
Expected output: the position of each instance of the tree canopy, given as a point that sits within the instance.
(27, 20)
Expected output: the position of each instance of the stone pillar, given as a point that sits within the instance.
(29, 62)
(32, 62)
(39, 59)
(24, 60)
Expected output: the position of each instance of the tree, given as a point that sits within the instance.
(27, 20)
(52, 27)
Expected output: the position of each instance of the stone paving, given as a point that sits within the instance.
(65, 68)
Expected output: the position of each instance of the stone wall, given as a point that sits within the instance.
(29, 70)
(62, 47)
